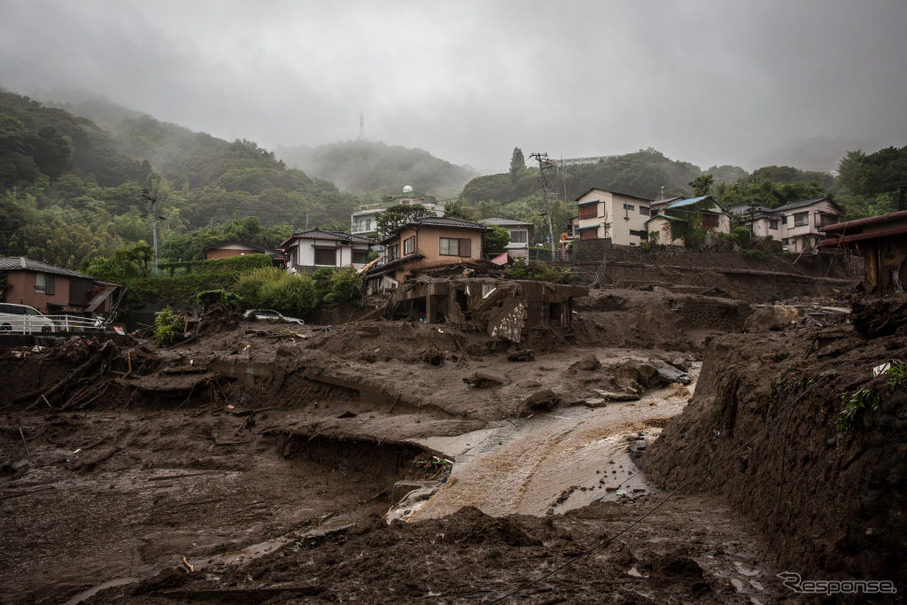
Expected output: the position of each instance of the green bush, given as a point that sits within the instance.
(181, 289)
(743, 236)
(292, 295)
(168, 327)
(246, 262)
(249, 286)
(345, 285)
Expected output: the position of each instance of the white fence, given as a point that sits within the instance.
(76, 323)
(48, 324)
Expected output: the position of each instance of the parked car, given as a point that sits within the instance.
(271, 314)
(22, 319)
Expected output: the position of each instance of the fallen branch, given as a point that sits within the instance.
(80, 371)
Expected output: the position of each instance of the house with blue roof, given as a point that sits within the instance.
(671, 218)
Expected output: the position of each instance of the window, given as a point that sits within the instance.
(368, 224)
(360, 257)
(326, 256)
(455, 247)
(45, 283)
(629, 207)
(393, 252)
(827, 219)
(709, 221)
(643, 235)
(785, 241)
(450, 247)
(773, 224)
(644, 211)
(801, 219)
(409, 245)
(588, 211)
(519, 237)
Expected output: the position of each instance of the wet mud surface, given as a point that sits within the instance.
(257, 463)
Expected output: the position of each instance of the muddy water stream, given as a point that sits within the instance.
(551, 463)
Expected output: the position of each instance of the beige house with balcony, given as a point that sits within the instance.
(424, 243)
(609, 214)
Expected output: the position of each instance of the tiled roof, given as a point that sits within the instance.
(250, 245)
(746, 209)
(803, 203)
(611, 191)
(504, 222)
(20, 263)
(857, 225)
(329, 235)
(445, 221)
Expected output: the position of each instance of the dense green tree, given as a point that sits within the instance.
(517, 164)
(702, 185)
(495, 241)
(397, 216)
(884, 171)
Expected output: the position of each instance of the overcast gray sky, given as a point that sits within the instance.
(748, 82)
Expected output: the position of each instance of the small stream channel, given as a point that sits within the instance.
(551, 463)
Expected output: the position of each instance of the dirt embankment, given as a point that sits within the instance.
(797, 432)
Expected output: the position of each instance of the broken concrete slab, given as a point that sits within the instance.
(668, 374)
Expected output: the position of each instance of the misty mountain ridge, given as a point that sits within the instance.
(373, 168)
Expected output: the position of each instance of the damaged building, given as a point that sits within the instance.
(882, 240)
(502, 308)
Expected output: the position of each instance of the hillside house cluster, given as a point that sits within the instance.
(797, 225)
(628, 220)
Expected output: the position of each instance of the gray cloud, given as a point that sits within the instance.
(707, 81)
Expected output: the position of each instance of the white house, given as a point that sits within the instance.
(316, 248)
(608, 214)
(796, 224)
(364, 221)
(520, 235)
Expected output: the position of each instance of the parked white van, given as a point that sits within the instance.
(22, 319)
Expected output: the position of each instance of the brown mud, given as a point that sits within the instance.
(256, 461)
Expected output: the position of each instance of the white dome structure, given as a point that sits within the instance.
(408, 189)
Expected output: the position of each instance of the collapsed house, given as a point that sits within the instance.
(502, 308)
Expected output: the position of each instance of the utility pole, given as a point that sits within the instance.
(543, 181)
(148, 196)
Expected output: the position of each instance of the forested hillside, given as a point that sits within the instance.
(71, 191)
(372, 169)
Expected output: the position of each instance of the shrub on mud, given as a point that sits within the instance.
(168, 327)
